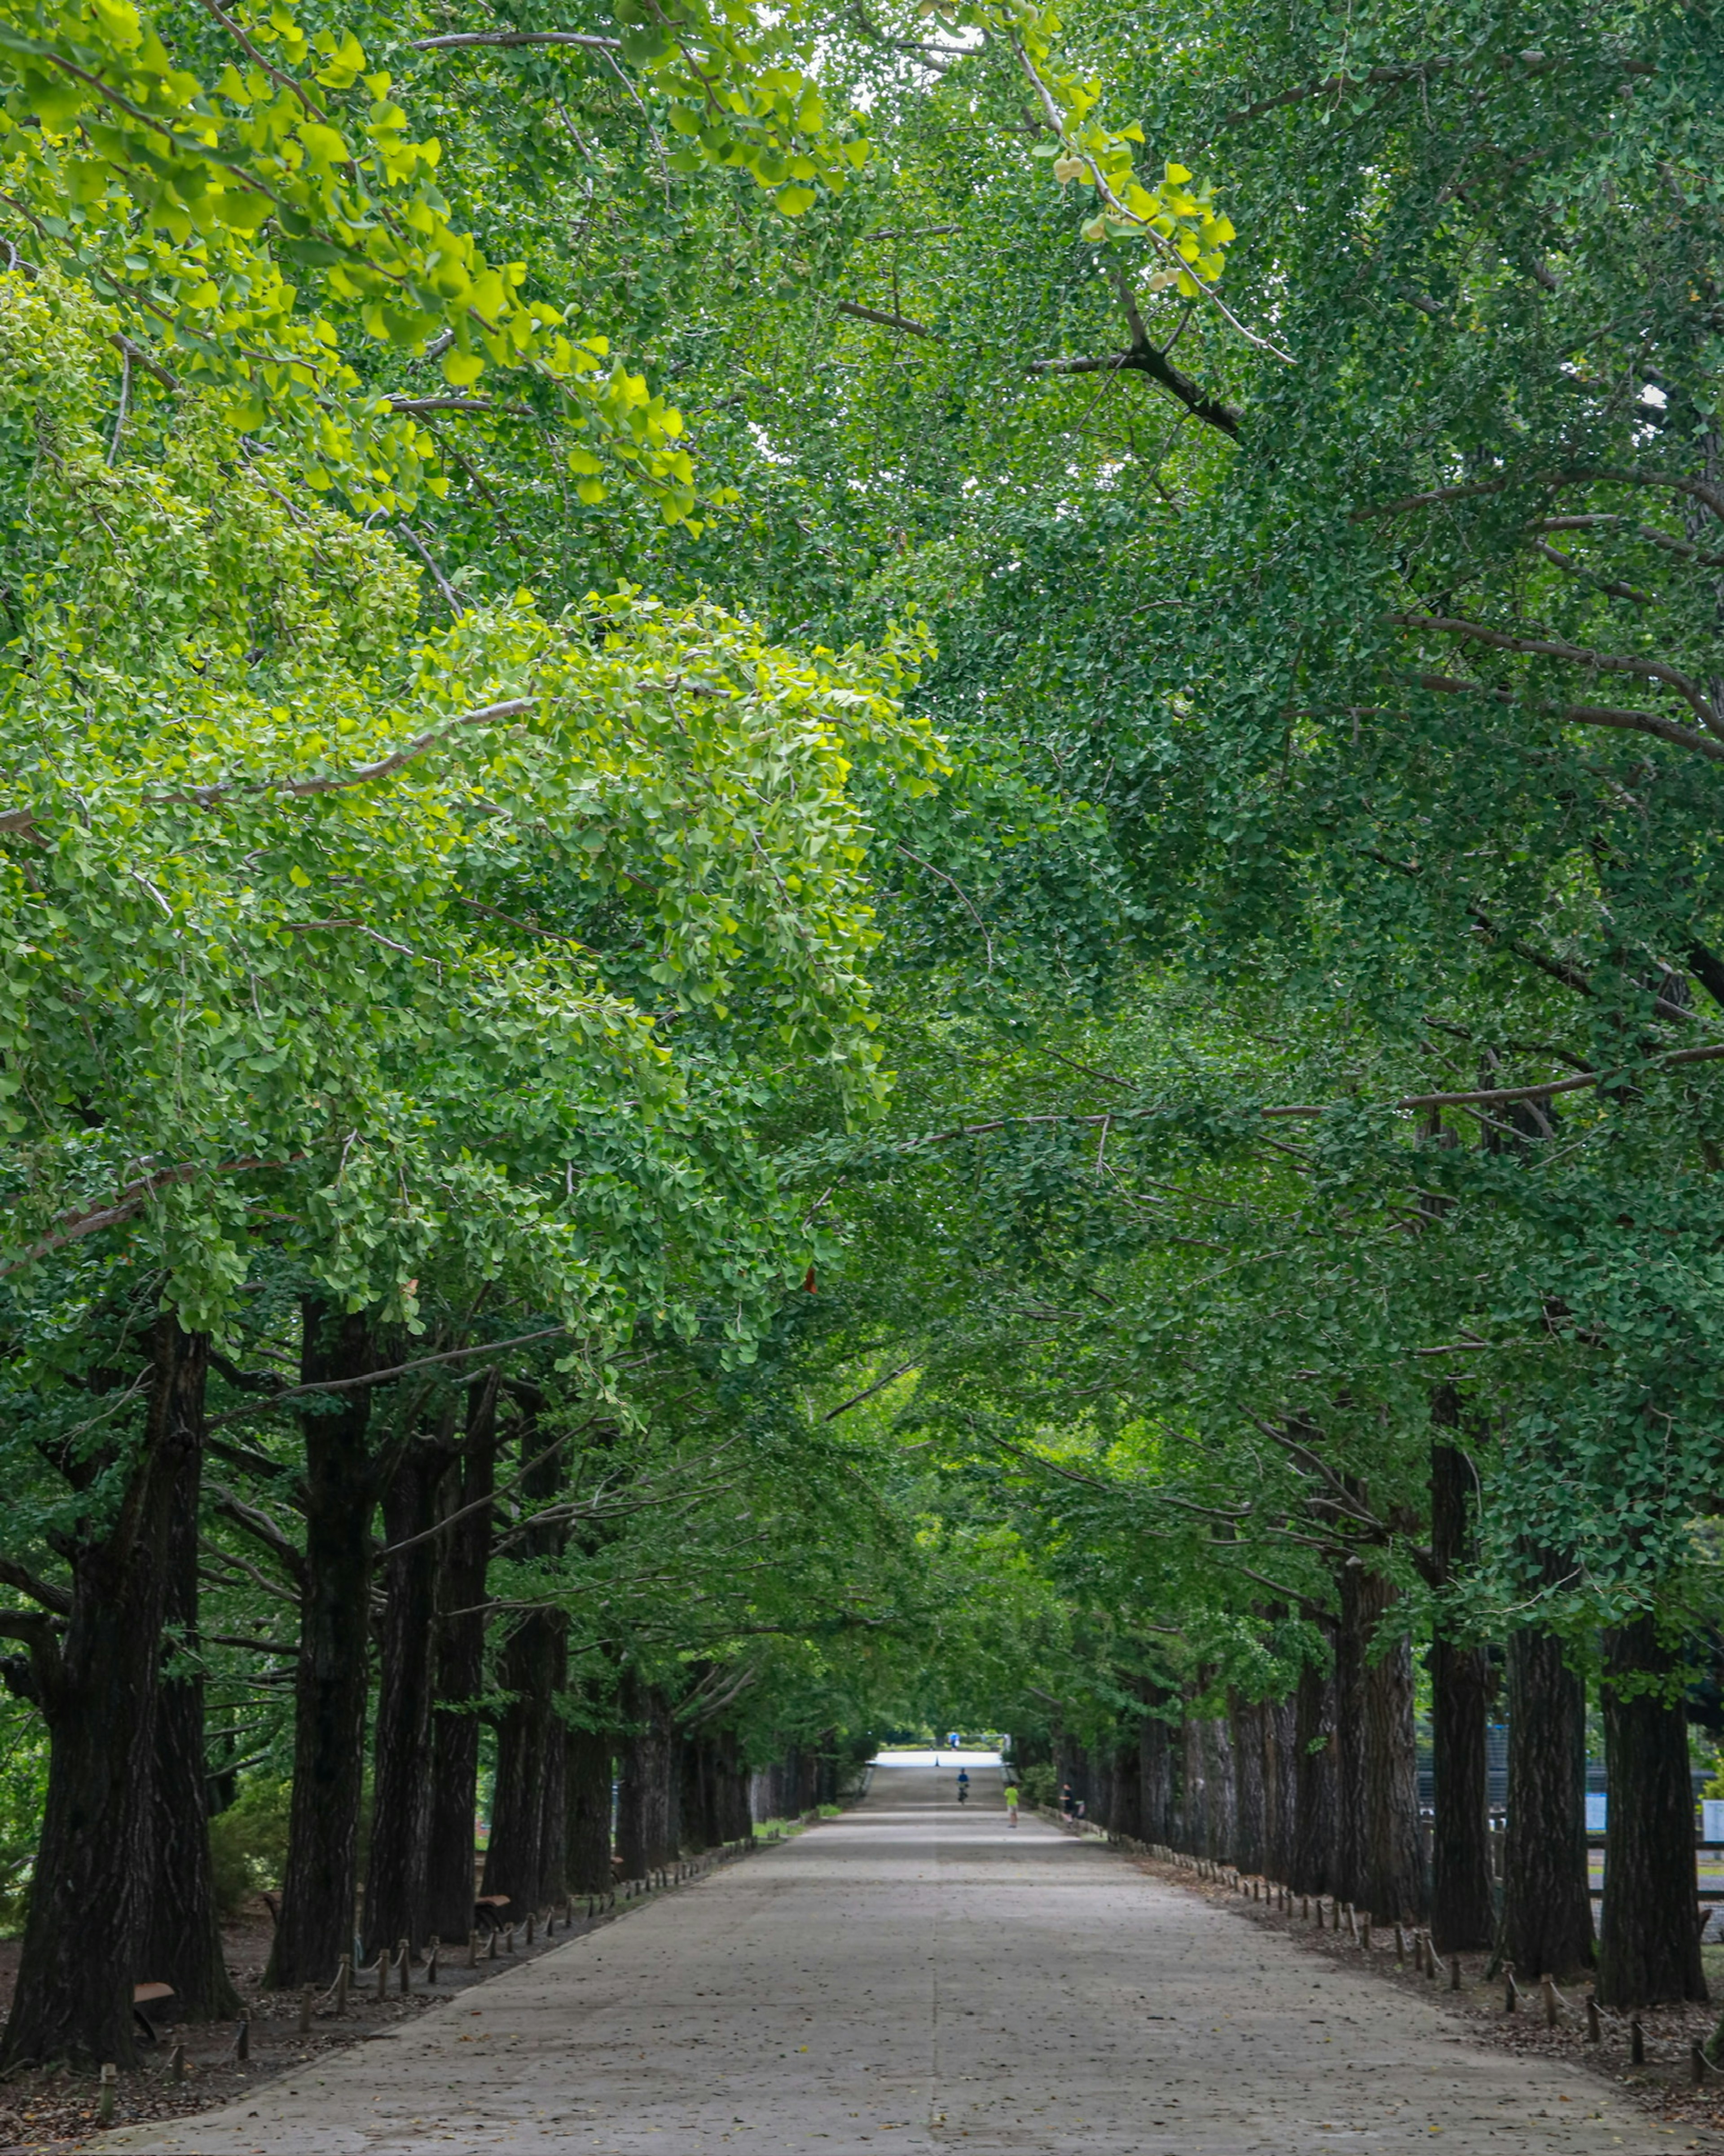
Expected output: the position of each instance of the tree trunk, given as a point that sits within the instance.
(530, 1669)
(318, 1887)
(1155, 1769)
(1547, 1906)
(736, 1821)
(691, 1777)
(1315, 1796)
(1349, 1862)
(553, 1822)
(1223, 1820)
(1281, 1787)
(1395, 1859)
(466, 1544)
(588, 1772)
(397, 1884)
(1127, 1808)
(1649, 1945)
(96, 1687)
(515, 1851)
(1194, 1808)
(1248, 1793)
(643, 1821)
(181, 1935)
(1463, 1904)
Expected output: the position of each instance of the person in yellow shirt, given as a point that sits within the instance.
(1011, 1802)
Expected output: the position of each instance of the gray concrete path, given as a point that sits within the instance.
(914, 1977)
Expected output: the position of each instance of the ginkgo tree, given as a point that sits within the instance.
(266, 991)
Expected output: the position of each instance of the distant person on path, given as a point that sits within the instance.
(1011, 1802)
(1068, 1802)
(963, 1785)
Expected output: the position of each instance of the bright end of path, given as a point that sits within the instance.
(942, 1759)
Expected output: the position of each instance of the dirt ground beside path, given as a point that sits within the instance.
(912, 1977)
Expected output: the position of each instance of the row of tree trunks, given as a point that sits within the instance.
(1343, 1817)
(93, 1670)
(123, 1889)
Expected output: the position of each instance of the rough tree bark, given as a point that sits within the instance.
(92, 1669)
(1155, 1772)
(1649, 1943)
(1463, 1903)
(645, 1828)
(1546, 1904)
(396, 1882)
(1250, 1807)
(530, 1669)
(1194, 1795)
(1394, 1882)
(1349, 1858)
(1315, 1798)
(315, 1927)
(587, 1782)
(1280, 1787)
(1128, 1796)
(466, 1544)
(1222, 1821)
(553, 1820)
(181, 1942)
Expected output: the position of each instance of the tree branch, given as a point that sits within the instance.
(1573, 655)
(1618, 720)
(461, 38)
(1142, 357)
(262, 1528)
(885, 320)
(17, 1576)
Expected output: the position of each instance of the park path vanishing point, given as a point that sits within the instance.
(912, 1976)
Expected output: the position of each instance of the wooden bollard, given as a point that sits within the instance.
(344, 1982)
(382, 1970)
(472, 1949)
(1594, 2030)
(1400, 1947)
(1320, 1912)
(529, 1928)
(509, 1940)
(308, 2000)
(242, 2038)
(431, 1954)
(176, 2063)
(1547, 1988)
(104, 2101)
(1510, 1989)
(1637, 2043)
(1305, 1909)
(1454, 1972)
(490, 1949)
(404, 1964)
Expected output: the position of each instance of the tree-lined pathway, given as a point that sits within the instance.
(914, 1975)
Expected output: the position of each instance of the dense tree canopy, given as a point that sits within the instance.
(858, 871)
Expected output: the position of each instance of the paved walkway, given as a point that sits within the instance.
(914, 1977)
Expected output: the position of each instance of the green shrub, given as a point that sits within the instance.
(247, 1843)
(1039, 1784)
